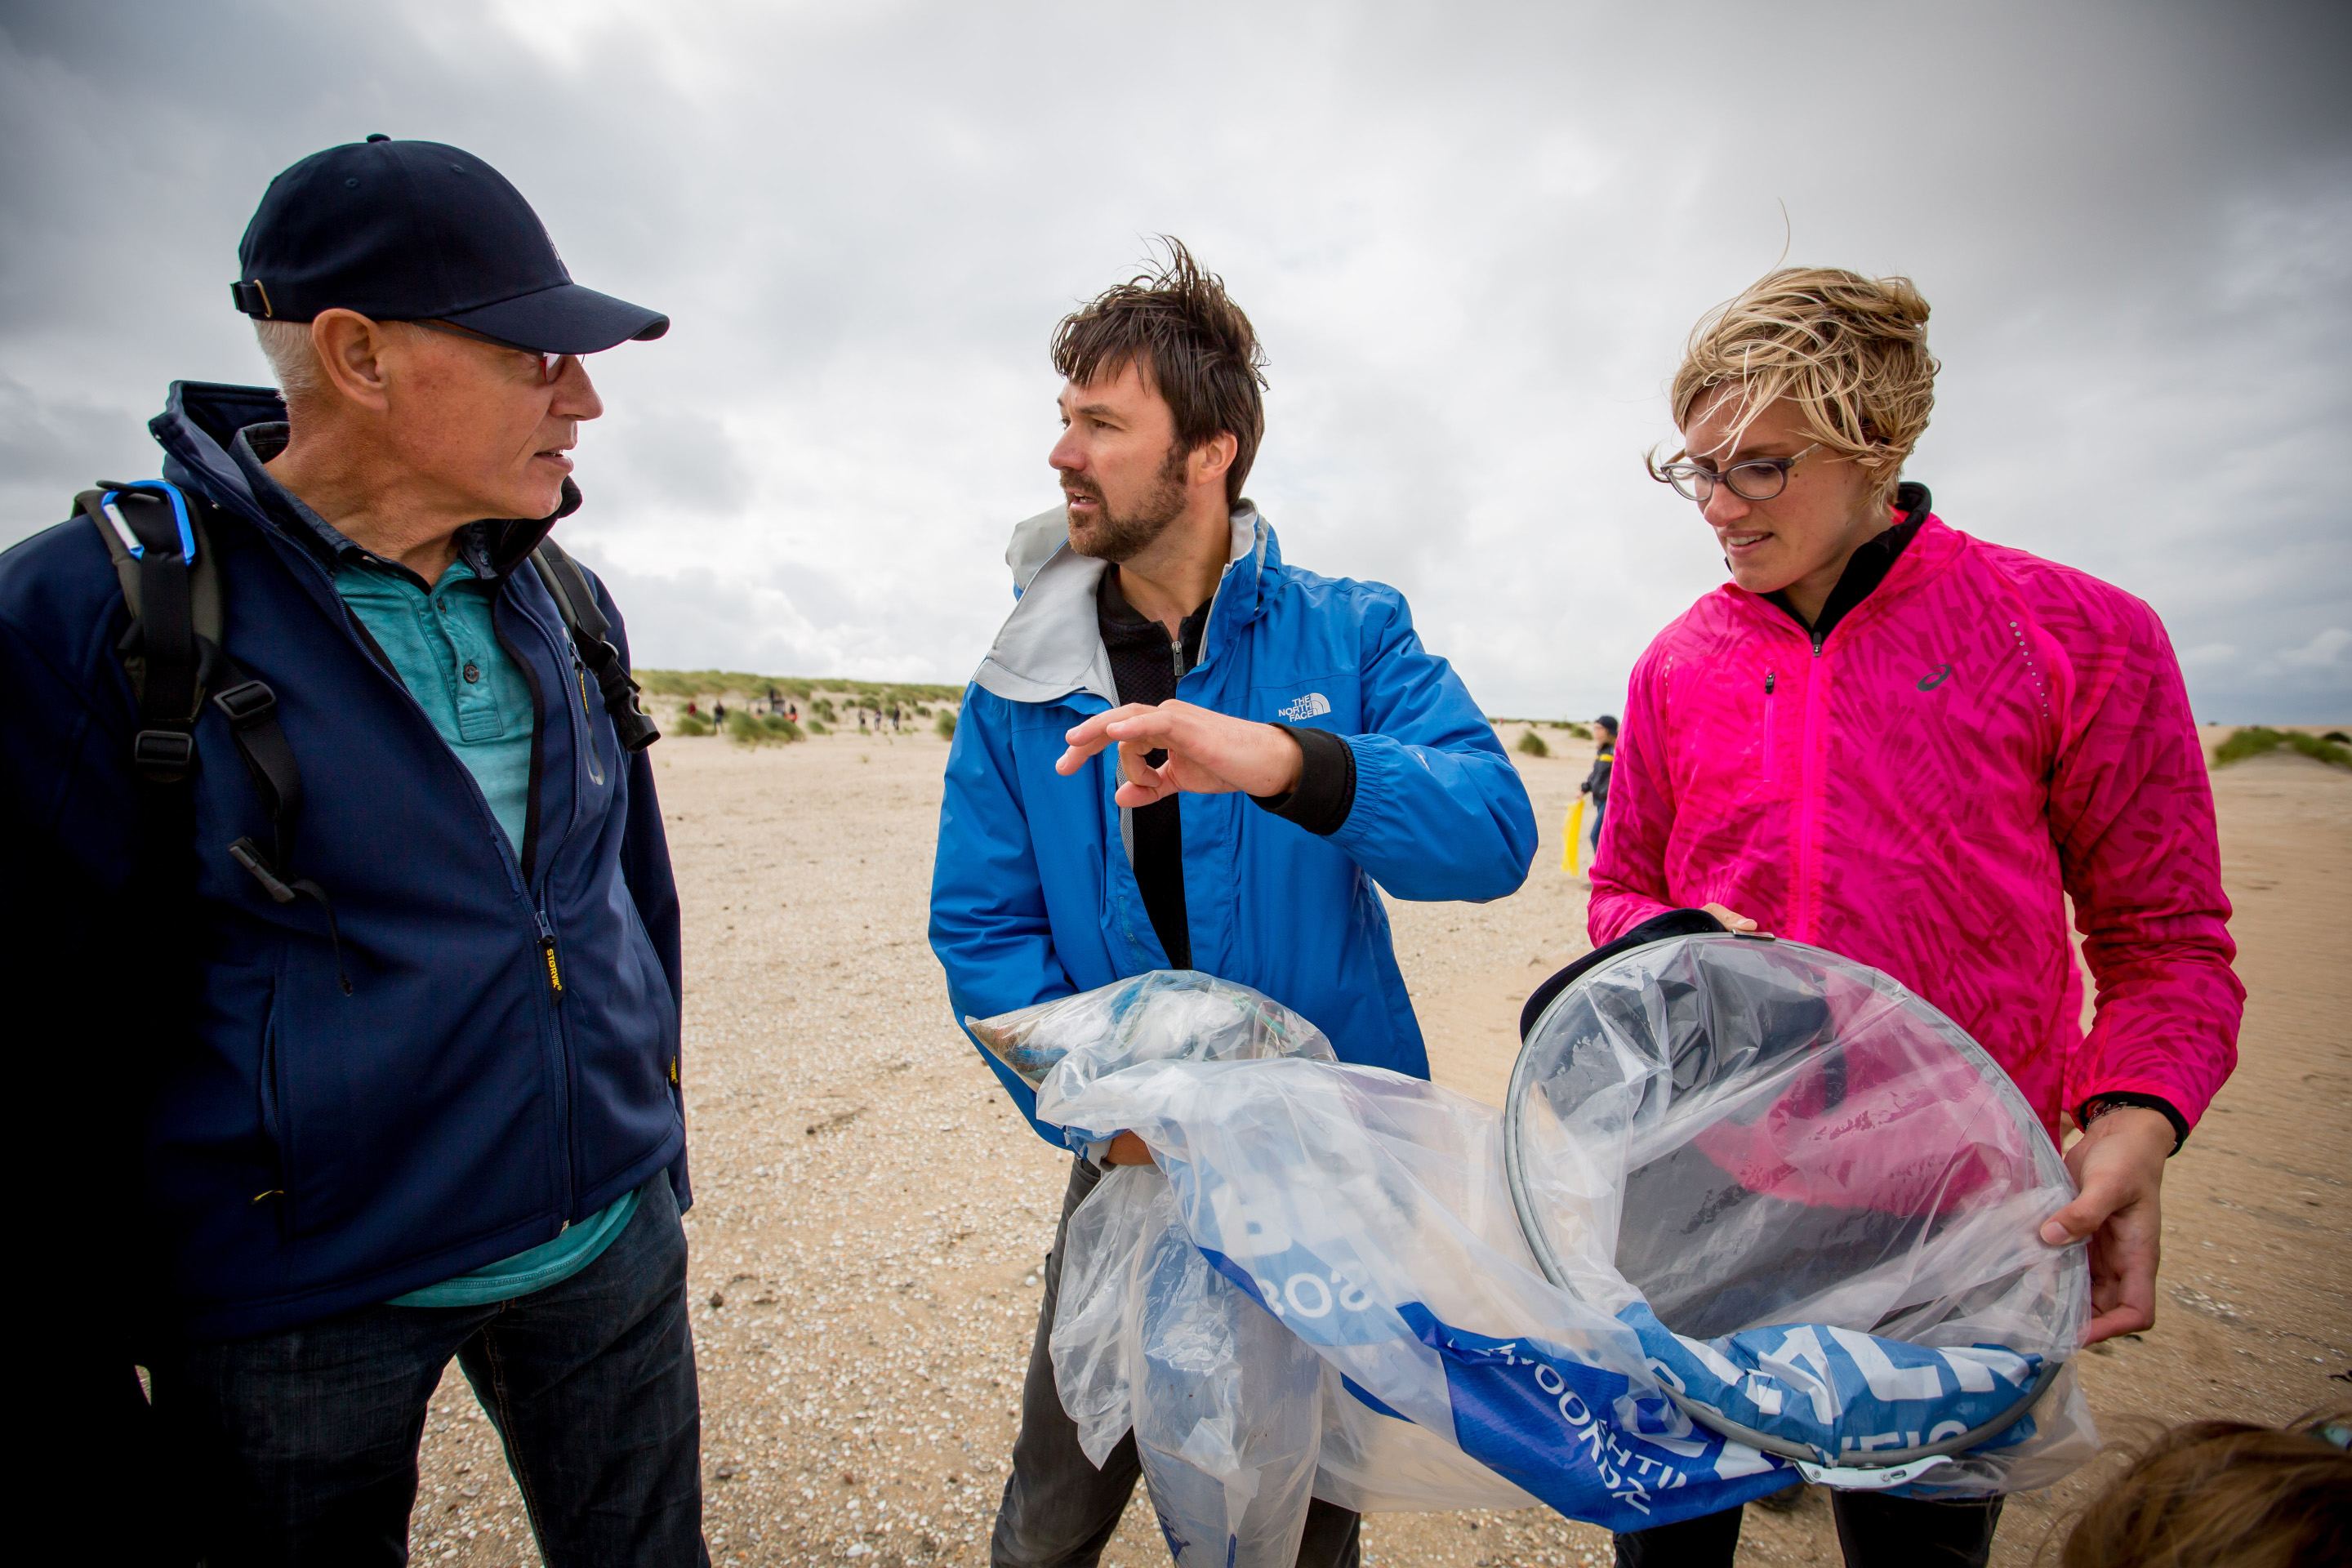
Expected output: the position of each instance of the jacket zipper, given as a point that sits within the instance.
(550, 963)
(547, 956)
(1771, 763)
(1811, 785)
(587, 721)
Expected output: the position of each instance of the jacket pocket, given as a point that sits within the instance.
(269, 1085)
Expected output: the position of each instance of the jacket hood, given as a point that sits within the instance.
(1051, 646)
(200, 422)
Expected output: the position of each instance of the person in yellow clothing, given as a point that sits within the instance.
(1595, 788)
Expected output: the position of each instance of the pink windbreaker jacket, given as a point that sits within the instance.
(1981, 737)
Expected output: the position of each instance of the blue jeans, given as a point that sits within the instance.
(300, 1447)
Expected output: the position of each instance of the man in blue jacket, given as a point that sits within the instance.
(429, 1108)
(1156, 619)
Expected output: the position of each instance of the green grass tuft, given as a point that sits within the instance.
(691, 724)
(2254, 740)
(945, 725)
(748, 728)
(1532, 744)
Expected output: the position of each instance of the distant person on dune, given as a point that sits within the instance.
(378, 920)
(1162, 664)
(1911, 747)
(1595, 786)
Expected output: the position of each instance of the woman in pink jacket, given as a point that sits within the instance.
(1898, 742)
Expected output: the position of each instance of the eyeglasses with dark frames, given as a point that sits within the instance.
(1755, 479)
(551, 366)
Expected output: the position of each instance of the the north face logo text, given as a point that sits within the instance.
(1314, 705)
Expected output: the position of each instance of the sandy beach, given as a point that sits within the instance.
(870, 1213)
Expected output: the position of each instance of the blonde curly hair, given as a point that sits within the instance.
(1850, 351)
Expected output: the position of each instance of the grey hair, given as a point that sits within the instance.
(292, 361)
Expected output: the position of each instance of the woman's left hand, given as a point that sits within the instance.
(2118, 1164)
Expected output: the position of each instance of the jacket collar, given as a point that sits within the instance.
(1051, 646)
(1931, 548)
(216, 437)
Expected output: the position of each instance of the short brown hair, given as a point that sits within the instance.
(1189, 340)
(1851, 351)
(2224, 1491)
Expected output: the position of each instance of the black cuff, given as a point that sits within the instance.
(1326, 782)
(2148, 1101)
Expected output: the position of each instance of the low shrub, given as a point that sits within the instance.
(945, 725)
(1532, 744)
(1581, 731)
(691, 724)
(2256, 739)
(746, 729)
(818, 727)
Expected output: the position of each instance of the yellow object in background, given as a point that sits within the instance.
(1575, 836)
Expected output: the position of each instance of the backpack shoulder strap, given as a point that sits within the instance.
(173, 652)
(155, 535)
(591, 633)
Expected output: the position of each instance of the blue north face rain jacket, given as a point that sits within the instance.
(1033, 896)
(294, 1150)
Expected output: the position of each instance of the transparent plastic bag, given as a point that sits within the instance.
(1226, 1403)
(1374, 1217)
(1777, 1163)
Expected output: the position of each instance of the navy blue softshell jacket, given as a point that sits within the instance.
(1034, 894)
(294, 1152)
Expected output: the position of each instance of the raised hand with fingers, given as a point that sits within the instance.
(1201, 753)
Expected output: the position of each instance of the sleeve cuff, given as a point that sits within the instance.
(2149, 1101)
(1326, 782)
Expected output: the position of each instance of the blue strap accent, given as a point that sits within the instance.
(179, 514)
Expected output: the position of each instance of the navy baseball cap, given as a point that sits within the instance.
(413, 231)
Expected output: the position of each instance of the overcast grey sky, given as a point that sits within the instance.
(1473, 239)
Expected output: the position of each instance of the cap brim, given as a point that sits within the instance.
(564, 319)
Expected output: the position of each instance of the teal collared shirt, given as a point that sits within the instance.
(443, 646)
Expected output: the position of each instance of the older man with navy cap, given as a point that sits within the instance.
(332, 782)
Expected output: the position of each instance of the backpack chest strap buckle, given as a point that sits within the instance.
(163, 756)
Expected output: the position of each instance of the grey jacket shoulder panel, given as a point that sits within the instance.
(1033, 543)
(1051, 646)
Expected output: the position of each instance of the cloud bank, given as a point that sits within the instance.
(1472, 237)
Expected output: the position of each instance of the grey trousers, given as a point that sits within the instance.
(1059, 1511)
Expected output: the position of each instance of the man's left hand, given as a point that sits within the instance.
(1208, 753)
(2119, 1163)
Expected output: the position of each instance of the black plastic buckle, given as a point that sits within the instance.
(246, 703)
(164, 755)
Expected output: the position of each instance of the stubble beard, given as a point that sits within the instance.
(1116, 537)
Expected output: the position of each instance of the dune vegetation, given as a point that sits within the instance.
(2256, 740)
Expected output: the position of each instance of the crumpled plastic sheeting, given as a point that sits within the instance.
(1226, 1404)
(1368, 1214)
